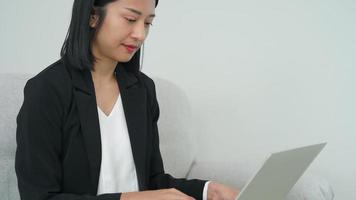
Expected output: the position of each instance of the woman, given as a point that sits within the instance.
(67, 148)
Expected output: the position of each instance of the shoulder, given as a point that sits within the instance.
(148, 82)
(55, 74)
(151, 92)
(52, 84)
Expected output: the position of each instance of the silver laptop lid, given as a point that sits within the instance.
(279, 173)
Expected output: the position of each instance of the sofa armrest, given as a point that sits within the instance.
(237, 174)
(8, 181)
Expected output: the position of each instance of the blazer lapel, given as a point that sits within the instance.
(134, 101)
(87, 108)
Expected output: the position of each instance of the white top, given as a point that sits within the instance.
(117, 172)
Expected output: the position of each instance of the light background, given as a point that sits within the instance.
(260, 76)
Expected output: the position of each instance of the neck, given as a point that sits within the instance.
(103, 70)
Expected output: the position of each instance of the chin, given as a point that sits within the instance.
(123, 58)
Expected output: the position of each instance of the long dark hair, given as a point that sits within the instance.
(76, 49)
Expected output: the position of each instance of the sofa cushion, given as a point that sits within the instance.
(175, 128)
(10, 102)
(8, 181)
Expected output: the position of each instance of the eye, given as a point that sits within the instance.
(130, 20)
(149, 24)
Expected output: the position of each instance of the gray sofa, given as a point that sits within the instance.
(177, 145)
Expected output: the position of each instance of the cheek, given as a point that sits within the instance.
(114, 31)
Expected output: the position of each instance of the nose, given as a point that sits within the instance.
(139, 32)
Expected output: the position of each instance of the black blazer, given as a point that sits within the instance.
(58, 153)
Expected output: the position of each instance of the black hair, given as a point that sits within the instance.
(76, 49)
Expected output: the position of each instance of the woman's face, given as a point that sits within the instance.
(127, 22)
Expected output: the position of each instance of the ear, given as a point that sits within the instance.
(93, 20)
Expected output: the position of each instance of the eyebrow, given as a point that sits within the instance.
(138, 12)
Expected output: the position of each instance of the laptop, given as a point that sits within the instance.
(279, 173)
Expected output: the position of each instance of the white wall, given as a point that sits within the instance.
(260, 76)
(32, 33)
(263, 76)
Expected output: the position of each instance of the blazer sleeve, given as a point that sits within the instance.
(158, 178)
(38, 153)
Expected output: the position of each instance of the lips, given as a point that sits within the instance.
(131, 46)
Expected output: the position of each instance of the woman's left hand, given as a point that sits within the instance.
(218, 191)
